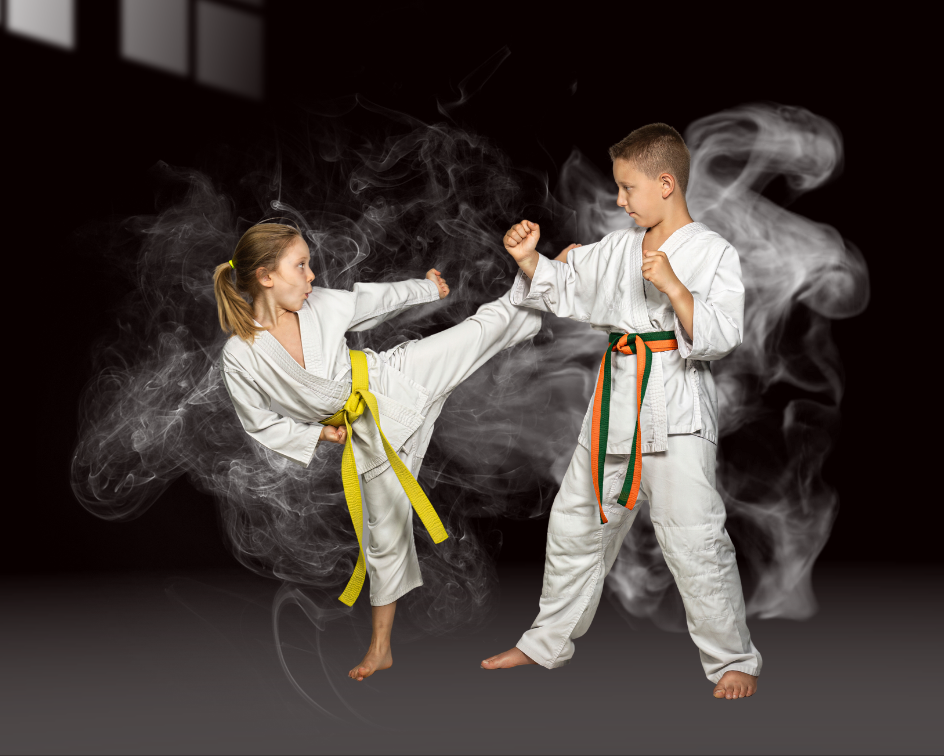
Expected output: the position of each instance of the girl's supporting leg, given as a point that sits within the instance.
(392, 566)
(379, 655)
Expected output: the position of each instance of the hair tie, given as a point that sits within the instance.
(231, 265)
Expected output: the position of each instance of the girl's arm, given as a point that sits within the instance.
(283, 435)
(376, 302)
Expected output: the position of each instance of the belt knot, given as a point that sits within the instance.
(354, 406)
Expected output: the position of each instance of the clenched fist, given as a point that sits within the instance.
(657, 269)
(521, 241)
(334, 435)
(433, 275)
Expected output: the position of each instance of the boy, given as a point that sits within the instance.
(669, 293)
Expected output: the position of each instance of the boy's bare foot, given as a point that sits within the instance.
(735, 685)
(373, 661)
(513, 657)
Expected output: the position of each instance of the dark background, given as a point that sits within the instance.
(148, 637)
(81, 130)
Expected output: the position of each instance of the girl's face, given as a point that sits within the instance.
(290, 283)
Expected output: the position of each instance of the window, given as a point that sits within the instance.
(49, 21)
(219, 44)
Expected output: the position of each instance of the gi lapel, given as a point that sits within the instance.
(329, 390)
(311, 341)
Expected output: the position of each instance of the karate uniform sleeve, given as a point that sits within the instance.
(283, 435)
(718, 320)
(566, 289)
(376, 302)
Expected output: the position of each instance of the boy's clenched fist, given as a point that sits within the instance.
(657, 269)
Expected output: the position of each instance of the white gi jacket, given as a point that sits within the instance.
(602, 284)
(280, 403)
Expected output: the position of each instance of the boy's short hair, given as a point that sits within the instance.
(654, 149)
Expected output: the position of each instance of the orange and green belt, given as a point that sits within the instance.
(360, 399)
(642, 345)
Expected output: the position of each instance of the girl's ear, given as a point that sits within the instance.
(263, 277)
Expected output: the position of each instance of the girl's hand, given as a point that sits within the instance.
(334, 435)
(433, 275)
(562, 257)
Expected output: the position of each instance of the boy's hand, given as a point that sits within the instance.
(332, 434)
(433, 275)
(657, 269)
(521, 241)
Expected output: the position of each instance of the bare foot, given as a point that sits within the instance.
(513, 657)
(373, 661)
(735, 685)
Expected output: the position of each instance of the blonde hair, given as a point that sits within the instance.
(260, 247)
(654, 149)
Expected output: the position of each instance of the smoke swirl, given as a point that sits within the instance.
(417, 196)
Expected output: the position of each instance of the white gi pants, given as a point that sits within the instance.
(688, 516)
(439, 363)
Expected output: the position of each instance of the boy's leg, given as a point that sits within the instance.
(580, 553)
(688, 516)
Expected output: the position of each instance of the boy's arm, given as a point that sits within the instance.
(561, 287)
(376, 302)
(709, 328)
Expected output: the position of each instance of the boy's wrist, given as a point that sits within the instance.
(529, 264)
(677, 292)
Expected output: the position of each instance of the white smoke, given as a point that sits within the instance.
(421, 196)
(798, 276)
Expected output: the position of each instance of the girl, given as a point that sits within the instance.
(294, 384)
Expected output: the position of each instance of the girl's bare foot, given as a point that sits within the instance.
(513, 657)
(375, 659)
(735, 685)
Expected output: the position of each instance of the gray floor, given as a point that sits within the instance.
(189, 664)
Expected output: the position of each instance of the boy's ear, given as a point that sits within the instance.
(668, 184)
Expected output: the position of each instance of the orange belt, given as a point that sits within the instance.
(642, 345)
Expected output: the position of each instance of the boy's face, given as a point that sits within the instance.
(641, 197)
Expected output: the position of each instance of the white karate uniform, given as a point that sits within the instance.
(280, 403)
(602, 284)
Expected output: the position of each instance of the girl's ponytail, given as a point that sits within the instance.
(235, 312)
(260, 247)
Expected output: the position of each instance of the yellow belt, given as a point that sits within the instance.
(360, 398)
